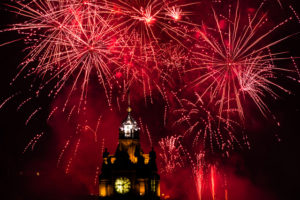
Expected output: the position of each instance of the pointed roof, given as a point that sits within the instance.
(129, 127)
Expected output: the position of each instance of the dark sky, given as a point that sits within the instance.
(269, 170)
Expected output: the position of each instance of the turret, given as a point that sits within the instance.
(129, 129)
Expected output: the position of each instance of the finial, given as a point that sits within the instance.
(128, 96)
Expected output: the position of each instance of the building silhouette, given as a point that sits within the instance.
(129, 173)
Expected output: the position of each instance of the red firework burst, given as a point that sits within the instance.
(145, 21)
(234, 62)
(210, 131)
(69, 41)
(171, 153)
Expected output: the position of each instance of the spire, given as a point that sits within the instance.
(128, 102)
(129, 128)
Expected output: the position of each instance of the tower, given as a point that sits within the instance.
(129, 173)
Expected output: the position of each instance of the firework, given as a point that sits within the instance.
(75, 42)
(212, 175)
(148, 47)
(144, 25)
(33, 142)
(173, 59)
(234, 62)
(279, 2)
(171, 153)
(209, 130)
(198, 174)
(208, 182)
(71, 159)
(8, 99)
(32, 115)
(144, 21)
(136, 73)
(62, 152)
(69, 41)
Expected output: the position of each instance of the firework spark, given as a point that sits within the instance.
(212, 182)
(235, 63)
(173, 59)
(69, 41)
(116, 43)
(209, 130)
(198, 174)
(145, 21)
(33, 142)
(171, 151)
(175, 13)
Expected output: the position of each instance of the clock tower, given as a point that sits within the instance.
(129, 173)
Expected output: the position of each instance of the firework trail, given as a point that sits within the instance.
(136, 75)
(32, 115)
(171, 153)
(212, 175)
(62, 152)
(73, 156)
(204, 174)
(295, 13)
(279, 2)
(33, 142)
(8, 99)
(210, 130)
(52, 113)
(98, 168)
(198, 174)
(173, 59)
(205, 177)
(234, 62)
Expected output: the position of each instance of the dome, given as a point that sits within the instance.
(129, 128)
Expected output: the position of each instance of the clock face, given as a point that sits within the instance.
(122, 185)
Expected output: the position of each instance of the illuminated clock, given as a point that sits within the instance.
(122, 185)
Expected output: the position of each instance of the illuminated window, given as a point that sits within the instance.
(128, 130)
(142, 188)
(153, 186)
(102, 190)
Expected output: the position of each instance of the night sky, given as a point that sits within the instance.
(268, 170)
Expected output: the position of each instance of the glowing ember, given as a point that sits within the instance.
(175, 13)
